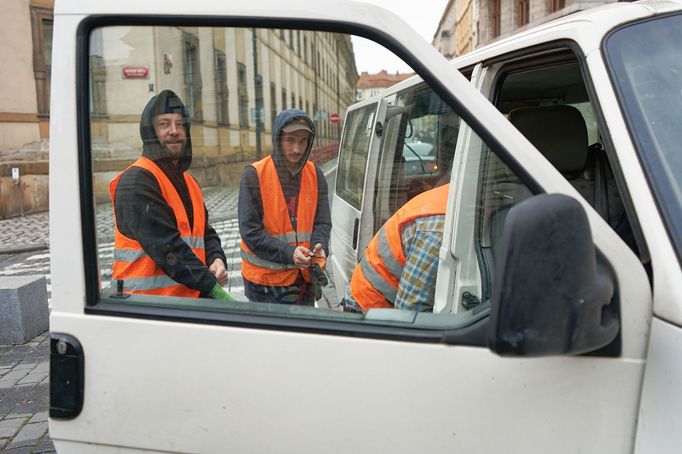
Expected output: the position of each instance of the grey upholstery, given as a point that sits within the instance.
(558, 132)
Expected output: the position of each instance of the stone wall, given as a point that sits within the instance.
(30, 194)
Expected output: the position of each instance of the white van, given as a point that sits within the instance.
(557, 324)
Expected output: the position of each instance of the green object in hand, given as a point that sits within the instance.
(219, 294)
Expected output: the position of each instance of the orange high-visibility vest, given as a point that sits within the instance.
(132, 265)
(276, 223)
(375, 279)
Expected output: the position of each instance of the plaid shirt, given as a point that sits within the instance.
(421, 242)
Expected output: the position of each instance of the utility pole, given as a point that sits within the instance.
(258, 95)
(337, 129)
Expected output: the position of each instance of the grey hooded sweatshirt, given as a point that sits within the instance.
(251, 207)
(142, 213)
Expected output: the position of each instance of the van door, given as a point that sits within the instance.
(352, 221)
(134, 372)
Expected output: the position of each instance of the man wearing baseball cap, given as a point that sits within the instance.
(284, 217)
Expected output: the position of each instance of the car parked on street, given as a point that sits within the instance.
(557, 324)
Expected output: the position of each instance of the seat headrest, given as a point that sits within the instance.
(558, 132)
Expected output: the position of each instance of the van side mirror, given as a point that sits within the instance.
(550, 297)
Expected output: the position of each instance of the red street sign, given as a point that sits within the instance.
(135, 72)
(334, 118)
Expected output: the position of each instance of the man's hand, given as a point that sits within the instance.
(302, 257)
(218, 269)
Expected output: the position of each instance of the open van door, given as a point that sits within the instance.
(352, 215)
(138, 372)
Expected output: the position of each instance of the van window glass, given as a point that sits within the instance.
(645, 64)
(418, 146)
(353, 155)
(212, 195)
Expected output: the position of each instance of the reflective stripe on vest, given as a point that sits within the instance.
(138, 272)
(277, 224)
(376, 278)
(131, 255)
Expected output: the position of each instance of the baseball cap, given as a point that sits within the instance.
(297, 124)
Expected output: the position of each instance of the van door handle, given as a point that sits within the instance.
(356, 226)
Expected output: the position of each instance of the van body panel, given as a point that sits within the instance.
(304, 390)
(658, 428)
(66, 245)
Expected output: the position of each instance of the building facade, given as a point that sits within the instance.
(480, 22)
(26, 37)
(233, 81)
(369, 85)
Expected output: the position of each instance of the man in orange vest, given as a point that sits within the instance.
(163, 244)
(284, 217)
(400, 263)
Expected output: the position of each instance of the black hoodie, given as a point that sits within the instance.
(143, 214)
(251, 208)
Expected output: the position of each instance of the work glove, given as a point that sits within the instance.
(219, 293)
(317, 276)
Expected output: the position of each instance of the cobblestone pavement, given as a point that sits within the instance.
(24, 389)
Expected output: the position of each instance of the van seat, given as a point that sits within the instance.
(560, 134)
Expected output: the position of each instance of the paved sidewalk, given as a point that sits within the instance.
(24, 391)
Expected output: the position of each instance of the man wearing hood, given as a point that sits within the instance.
(284, 217)
(163, 244)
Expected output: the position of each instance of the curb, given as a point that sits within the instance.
(25, 248)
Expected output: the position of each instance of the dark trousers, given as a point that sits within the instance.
(300, 293)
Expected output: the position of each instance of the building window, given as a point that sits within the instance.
(556, 5)
(293, 101)
(41, 24)
(284, 99)
(243, 95)
(221, 87)
(522, 12)
(495, 25)
(273, 104)
(300, 102)
(305, 50)
(298, 42)
(192, 73)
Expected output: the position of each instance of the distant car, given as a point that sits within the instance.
(420, 158)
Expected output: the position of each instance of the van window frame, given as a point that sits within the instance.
(440, 331)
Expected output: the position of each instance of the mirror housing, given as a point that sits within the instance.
(550, 297)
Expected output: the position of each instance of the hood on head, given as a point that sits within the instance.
(165, 102)
(284, 118)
